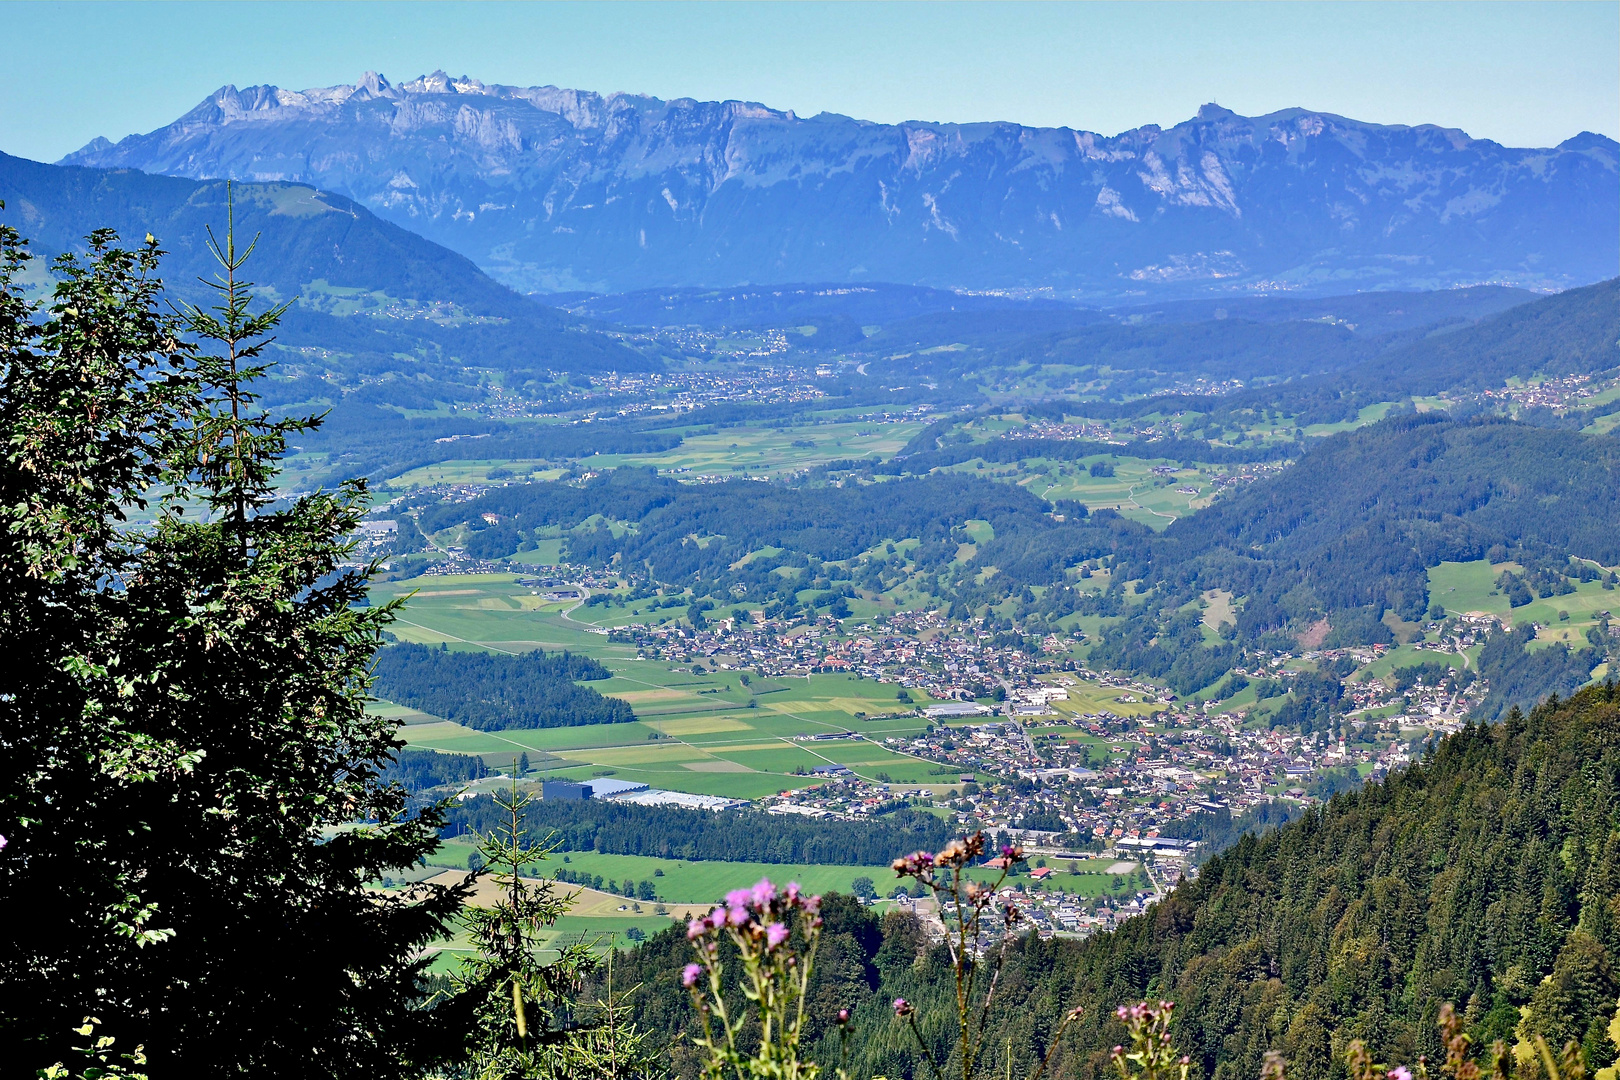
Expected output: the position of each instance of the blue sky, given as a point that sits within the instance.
(1523, 74)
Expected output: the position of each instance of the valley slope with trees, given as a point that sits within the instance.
(1487, 875)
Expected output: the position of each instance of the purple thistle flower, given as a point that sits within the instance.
(737, 898)
(775, 934)
(1400, 1072)
(737, 916)
(762, 893)
(696, 929)
(690, 975)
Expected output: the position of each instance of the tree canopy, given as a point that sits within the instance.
(191, 789)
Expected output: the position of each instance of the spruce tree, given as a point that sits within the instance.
(192, 791)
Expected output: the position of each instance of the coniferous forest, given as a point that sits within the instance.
(672, 833)
(191, 792)
(489, 691)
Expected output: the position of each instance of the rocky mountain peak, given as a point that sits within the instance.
(553, 188)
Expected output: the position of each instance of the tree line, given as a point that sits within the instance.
(667, 832)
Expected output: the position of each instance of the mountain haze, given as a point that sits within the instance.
(558, 189)
(364, 285)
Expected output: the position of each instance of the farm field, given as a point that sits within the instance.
(1408, 655)
(706, 734)
(471, 471)
(1133, 490)
(598, 918)
(770, 451)
(1092, 697)
(687, 888)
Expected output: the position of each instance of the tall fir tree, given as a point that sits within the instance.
(192, 789)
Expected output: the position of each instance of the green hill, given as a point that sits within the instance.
(1487, 875)
(1359, 519)
(1343, 540)
(1572, 333)
(368, 290)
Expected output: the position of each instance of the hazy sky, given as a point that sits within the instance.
(1523, 74)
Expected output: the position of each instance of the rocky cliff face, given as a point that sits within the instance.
(563, 189)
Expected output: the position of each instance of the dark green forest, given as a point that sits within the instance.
(1573, 332)
(1487, 875)
(1518, 678)
(419, 770)
(734, 835)
(1355, 524)
(492, 691)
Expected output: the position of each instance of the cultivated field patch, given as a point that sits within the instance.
(699, 725)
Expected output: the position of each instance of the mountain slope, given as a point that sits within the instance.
(1574, 333)
(1336, 550)
(366, 286)
(1449, 489)
(563, 189)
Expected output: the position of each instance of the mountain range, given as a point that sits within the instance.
(552, 189)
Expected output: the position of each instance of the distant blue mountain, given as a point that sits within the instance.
(551, 189)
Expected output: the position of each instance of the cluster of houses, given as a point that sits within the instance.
(915, 650)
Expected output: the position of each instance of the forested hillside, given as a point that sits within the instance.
(1361, 516)
(701, 534)
(1338, 540)
(1487, 875)
(1573, 332)
(1348, 533)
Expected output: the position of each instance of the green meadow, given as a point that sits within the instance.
(1134, 490)
(702, 731)
(1471, 587)
(754, 451)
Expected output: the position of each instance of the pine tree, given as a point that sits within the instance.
(522, 1014)
(194, 833)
